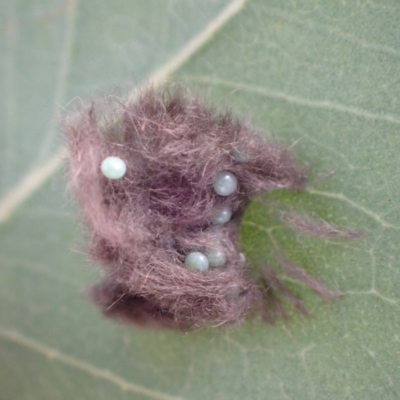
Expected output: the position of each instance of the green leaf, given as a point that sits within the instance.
(321, 75)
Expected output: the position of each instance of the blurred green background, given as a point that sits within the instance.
(319, 73)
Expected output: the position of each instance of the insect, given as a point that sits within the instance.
(163, 181)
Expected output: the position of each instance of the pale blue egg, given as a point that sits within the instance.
(113, 167)
(221, 215)
(225, 183)
(196, 260)
(216, 258)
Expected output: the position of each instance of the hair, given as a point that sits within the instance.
(142, 226)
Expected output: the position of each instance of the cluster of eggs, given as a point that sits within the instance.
(225, 184)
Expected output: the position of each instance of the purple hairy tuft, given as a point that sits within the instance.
(143, 225)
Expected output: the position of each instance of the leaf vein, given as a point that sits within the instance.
(274, 94)
(196, 43)
(29, 184)
(342, 197)
(54, 354)
(64, 69)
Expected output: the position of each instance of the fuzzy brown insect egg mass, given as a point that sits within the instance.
(163, 181)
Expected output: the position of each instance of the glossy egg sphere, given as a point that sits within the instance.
(225, 183)
(113, 167)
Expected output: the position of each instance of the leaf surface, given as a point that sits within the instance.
(320, 75)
